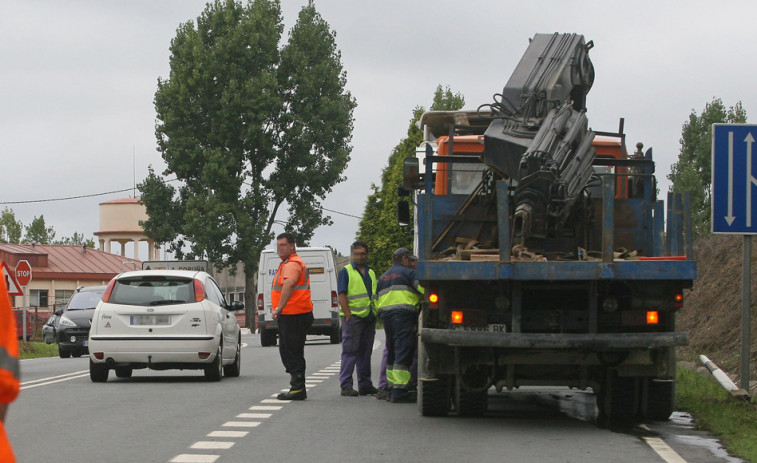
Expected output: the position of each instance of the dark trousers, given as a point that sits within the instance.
(293, 330)
(357, 346)
(401, 327)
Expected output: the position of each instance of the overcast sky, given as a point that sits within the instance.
(77, 80)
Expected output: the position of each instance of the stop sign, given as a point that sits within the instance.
(23, 273)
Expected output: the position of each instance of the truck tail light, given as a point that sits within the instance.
(678, 301)
(653, 317)
(109, 290)
(334, 300)
(199, 291)
(433, 298)
(260, 302)
(456, 317)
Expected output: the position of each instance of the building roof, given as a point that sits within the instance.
(122, 201)
(67, 262)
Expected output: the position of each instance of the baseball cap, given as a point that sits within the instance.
(404, 252)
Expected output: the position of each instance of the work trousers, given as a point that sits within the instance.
(382, 382)
(401, 327)
(293, 330)
(357, 345)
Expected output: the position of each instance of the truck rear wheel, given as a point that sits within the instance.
(618, 399)
(659, 398)
(267, 337)
(434, 396)
(472, 395)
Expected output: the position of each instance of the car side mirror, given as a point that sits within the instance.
(236, 305)
(403, 213)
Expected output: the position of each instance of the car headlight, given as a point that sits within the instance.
(65, 321)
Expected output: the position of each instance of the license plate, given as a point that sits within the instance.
(490, 328)
(150, 320)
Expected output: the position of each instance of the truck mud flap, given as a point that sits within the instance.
(608, 341)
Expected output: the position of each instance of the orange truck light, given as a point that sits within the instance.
(653, 317)
(457, 317)
(678, 300)
(433, 299)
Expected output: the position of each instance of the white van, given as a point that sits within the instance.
(320, 263)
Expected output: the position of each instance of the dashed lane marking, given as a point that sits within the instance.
(257, 416)
(228, 433)
(267, 407)
(241, 424)
(212, 445)
(189, 458)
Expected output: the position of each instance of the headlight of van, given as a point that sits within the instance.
(65, 321)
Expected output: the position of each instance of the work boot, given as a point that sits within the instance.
(370, 390)
(381, 394)
(349, 392)
(293, 394)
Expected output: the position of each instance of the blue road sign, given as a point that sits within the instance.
(734, 184)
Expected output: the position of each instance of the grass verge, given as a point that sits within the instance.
(732, 420)
(32, 350)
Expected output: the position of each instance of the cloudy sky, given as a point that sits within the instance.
(77, 80)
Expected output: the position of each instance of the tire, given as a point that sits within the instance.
(336, 335)
(214, 371)
(267, 337)
(124, 372)
(618, 399)
(64, 354)
(434, 396)
(98, 372)
(472, 403)
(659, 399)
(232, 370)
(76, 353)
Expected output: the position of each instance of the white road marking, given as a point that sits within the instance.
(49, 381)
(211, 445)
(274, 401)
(241, 424)
(664, 450)
(228, 433)
(265, 407)
(189, 458)
(254, 415)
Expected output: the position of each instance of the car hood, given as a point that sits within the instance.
(80, 317)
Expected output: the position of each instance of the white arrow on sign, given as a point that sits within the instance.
(750, 180)
(10, 282)
(729, 218)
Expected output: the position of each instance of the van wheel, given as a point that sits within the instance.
(232, 370)
(98, 372)
(336, 335)
(214, 371)
(267, 337)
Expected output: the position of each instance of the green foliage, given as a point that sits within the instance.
(733, 420)
(379, 227)
(38, 232)
(78, 239)
(10, 228)
(33, 350)
(246, 129)
(693, 170)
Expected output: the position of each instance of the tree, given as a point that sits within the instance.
(10, 228)
(78, 239)
(38, 232)
(247, 129)
(693, 170)
(379, 227)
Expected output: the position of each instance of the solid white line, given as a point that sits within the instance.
(265, 407)
(53, 377)
(53, 382)
(254, 415)
(664, 450)
(228, 433)
(190, 458)
(211, 445)
(241, 424)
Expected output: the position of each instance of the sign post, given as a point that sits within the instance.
(24, 277)
(733, 184)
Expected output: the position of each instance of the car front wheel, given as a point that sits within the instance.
(98, 372)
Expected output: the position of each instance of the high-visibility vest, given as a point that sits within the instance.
(300, 301)
(400, 295)
(359, 301)
(9, 366)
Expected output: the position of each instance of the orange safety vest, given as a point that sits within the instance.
(300, 300)
(9, 367)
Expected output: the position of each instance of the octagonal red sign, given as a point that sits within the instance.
(23, 272)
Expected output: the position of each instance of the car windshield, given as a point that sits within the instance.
(84, 300)
(154, 290)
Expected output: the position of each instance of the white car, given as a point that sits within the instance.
(164, 319)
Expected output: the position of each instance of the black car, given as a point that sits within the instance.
(75, 321)
(49, 329)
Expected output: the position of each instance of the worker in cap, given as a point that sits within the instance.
(399, 296)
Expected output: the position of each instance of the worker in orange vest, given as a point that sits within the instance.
(9, 368)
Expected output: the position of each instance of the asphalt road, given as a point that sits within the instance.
(176, 416)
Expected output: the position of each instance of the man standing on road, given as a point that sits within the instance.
(293, 309)
(9, 368)
(356, 286)
(398, 297)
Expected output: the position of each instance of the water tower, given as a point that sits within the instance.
(119, 222)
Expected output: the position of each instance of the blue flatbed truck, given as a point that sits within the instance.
(530, 284)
